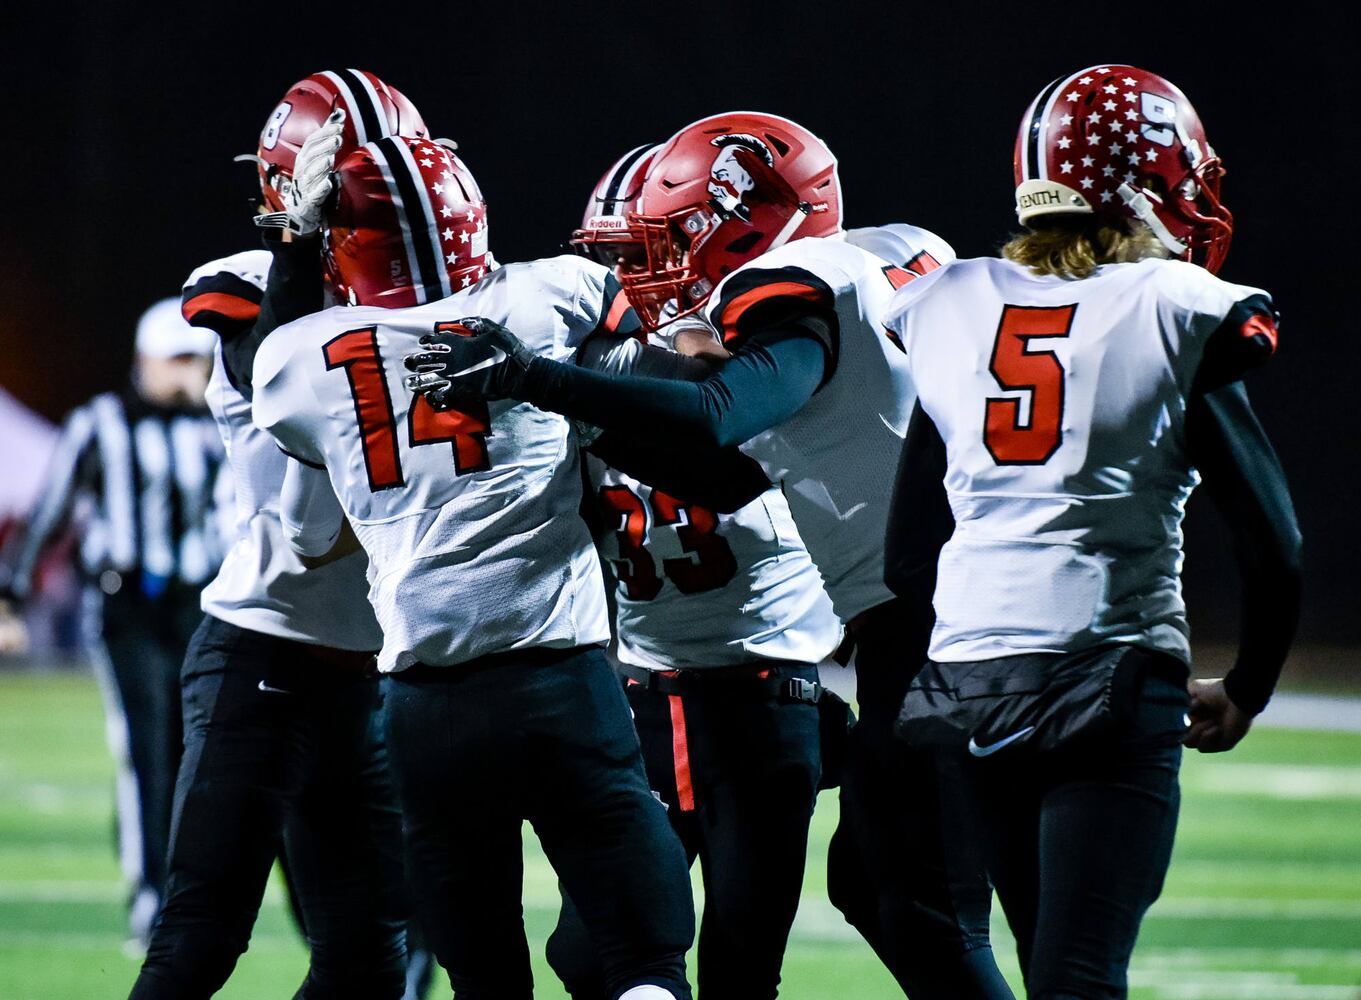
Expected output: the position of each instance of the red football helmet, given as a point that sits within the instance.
(606, 217)
(372, 110)
(1119, 142)
(409, 225)
(719, 193)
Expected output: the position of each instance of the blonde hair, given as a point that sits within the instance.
(1074, 248)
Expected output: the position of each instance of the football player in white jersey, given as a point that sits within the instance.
(1072, 394)
(500, 704)
(720, 621)
(283, 741)
(740, 217)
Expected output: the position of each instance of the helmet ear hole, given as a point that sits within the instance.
(744, 242)
(1154, 185)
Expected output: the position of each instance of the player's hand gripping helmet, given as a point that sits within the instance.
(719, 193)
(605, 220)
(409, 225)
(1118, 142)
(372, 110)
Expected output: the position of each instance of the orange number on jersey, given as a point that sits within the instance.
(635, 570)
(466, 429)
(714, 566)
(922, 263)
(357, 352)
(1018, 368)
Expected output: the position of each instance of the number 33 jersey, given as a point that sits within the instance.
(1062, 405)
(471, 519)
(700, 589)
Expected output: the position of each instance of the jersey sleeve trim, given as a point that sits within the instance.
(221, 299)
(299, 459)
(618, 315)
(1245, 339)
(748, 294)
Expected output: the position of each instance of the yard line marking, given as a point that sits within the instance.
(1199, 958)
(1276, 781)
(1239, 986)
(1193, 907)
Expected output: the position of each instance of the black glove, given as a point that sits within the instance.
(474, 359)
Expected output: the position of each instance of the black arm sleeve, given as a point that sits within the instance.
(765, 382)
(722, 479)
(649, 362)
(919, 524)
(1242, 474)
(295, 289)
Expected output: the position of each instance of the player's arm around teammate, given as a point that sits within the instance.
(740, 217)
(500, 705)
(727, 710)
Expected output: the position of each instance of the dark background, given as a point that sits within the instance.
(124, 118)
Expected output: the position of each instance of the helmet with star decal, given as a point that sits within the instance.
(1117, 142)
(408, 225)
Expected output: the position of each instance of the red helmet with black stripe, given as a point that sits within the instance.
(1117, 142)
(605, 221)
(372, 110)
(719, 193)
(408, 226)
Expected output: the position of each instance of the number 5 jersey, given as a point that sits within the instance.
(1063, 408)
(471, 518)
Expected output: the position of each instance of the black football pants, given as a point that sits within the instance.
(282, 749)
(906, 865)
(1079, 840)
(738, 772)
(138, 658)
(542, 735)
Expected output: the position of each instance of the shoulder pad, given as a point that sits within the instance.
(226, 293)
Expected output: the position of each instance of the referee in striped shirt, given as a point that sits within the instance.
(141, 472)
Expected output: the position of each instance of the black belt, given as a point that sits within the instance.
(691, 682)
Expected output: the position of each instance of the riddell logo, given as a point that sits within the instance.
(1039, 199)
(608, 223)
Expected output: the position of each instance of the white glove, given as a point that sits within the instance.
(313, 179)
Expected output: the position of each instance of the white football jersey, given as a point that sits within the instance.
(836, 457)
(471, 519)
(1062, 405)
(700, 589)
(262, 586)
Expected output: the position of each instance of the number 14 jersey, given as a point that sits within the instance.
(1062, 405)
(471, 519)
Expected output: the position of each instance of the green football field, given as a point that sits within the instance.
(1264, 898)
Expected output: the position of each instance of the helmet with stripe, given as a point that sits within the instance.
(372, 110)
(719, 193)
(605, 221)
(1118, 143)
(408, 225)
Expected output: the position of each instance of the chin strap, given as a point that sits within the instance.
(1142, 207)
(795, 220)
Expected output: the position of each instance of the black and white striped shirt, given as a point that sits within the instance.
(149, 485)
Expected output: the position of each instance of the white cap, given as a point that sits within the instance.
(163, 332)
